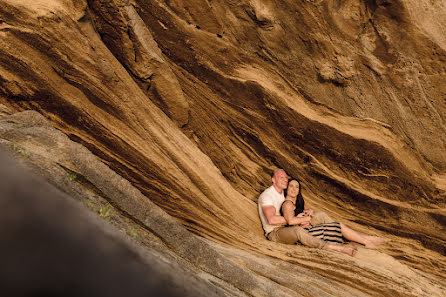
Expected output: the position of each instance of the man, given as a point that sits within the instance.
(270, 202)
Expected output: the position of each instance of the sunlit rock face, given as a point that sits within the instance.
(194, 102)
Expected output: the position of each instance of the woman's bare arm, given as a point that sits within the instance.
(288, 214)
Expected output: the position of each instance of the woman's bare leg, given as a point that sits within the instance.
(371, 242)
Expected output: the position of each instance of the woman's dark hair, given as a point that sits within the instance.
(300, 203)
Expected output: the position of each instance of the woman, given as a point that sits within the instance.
(319, 224)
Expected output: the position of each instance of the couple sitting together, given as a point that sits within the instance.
(288, 220)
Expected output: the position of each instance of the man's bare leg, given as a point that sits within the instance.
(346, 249)
(371, 242)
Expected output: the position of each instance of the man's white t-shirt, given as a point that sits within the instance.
(270, 197)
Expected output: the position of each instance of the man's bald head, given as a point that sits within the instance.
(280, 180)
(273, 174)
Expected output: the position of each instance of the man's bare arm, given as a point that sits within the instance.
(273, 219)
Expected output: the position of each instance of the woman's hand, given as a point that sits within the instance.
(305, 222)
(308, 212)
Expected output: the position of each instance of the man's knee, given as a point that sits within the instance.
(299, 230)
(307, 239)
(300, 233)
(320, 217)
(319, 214)
(289, 235)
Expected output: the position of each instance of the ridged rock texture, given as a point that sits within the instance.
(191, 104)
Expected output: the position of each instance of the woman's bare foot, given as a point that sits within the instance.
(346, 249)
(372, 242)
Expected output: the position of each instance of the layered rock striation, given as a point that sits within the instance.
(194, 102)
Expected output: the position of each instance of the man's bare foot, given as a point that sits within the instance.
(373, 242)
(346, 249)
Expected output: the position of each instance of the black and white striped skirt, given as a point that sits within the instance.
(327, 232)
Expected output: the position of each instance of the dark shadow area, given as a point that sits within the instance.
(51, 246)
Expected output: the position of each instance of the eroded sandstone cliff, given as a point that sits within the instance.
(194, 102)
